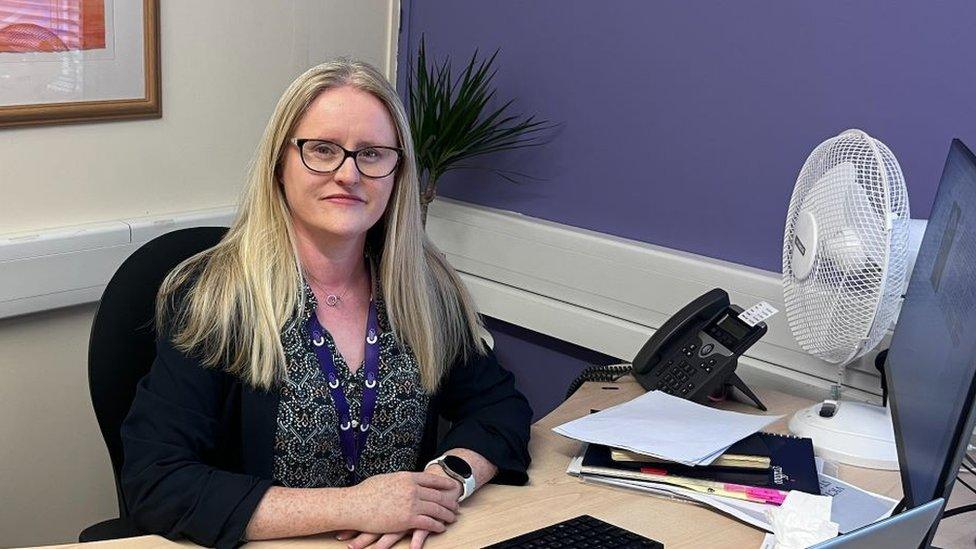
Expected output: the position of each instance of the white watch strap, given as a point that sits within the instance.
(467, 484)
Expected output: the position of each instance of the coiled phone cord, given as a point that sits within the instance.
(598, 373)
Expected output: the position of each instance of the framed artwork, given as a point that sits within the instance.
(78, 61)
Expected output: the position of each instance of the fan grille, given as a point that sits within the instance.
(853, 186)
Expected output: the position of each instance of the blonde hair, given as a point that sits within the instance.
(238, 295)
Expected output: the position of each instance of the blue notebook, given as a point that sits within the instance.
(792, 466)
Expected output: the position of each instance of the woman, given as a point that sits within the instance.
(303, 362)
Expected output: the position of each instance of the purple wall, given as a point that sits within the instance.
(686, 122)
(543, 366)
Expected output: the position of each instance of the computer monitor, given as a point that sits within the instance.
(931, 364)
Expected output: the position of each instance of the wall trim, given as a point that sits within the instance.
(591, 289)
(53, 268)
(609, 294)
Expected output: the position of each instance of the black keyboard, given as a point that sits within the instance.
(581, 532)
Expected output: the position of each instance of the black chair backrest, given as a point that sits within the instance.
(123, 337)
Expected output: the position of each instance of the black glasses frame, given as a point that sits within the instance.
(346, 153)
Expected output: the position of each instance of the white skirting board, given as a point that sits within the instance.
(55, 268)
(595, 290)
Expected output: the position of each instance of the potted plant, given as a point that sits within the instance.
(452, 122)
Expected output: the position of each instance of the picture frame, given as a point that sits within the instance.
(69, 61)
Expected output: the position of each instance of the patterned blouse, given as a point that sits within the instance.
(307, 451)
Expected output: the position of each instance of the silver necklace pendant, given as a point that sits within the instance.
(332, 300)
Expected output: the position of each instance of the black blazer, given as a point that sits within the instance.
(198, 442)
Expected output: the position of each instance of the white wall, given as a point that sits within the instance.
(224, 64)
(55, 475)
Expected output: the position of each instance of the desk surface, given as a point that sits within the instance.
(498, 512)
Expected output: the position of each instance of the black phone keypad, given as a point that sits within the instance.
(582, 531)
(685, 372)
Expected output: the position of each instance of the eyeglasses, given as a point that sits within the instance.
(322, 156)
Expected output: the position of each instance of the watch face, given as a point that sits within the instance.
(458, 465)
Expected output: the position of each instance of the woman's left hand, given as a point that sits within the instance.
(483, 471)
(419, 537)
(382, 541)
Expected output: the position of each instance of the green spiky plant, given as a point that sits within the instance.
(451, 121)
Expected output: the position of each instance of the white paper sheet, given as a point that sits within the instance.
(667, 427)
(746, 511)
(854, 507)
(662, 491)
(576, 464)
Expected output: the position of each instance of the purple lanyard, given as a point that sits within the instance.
(352, 434)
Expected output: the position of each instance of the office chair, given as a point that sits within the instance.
(122, 347)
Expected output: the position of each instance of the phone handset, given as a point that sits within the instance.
(695, 313)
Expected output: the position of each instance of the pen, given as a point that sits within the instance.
(737, 491)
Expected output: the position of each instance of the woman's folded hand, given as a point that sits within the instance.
(398, 502)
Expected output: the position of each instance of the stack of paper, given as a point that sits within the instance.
(666, 427)
(852, 507)
(856, 508)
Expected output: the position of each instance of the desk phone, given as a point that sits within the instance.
(695, 353)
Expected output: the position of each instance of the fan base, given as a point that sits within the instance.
(857, 434)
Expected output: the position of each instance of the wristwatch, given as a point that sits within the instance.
(459, 470)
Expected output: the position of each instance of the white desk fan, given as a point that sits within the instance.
(845, 268)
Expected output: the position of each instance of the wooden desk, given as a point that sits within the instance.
(495, 512)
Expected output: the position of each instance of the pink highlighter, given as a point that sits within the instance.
(767, 495)
(738, 491)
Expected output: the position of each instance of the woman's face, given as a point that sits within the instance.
(342, 204)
